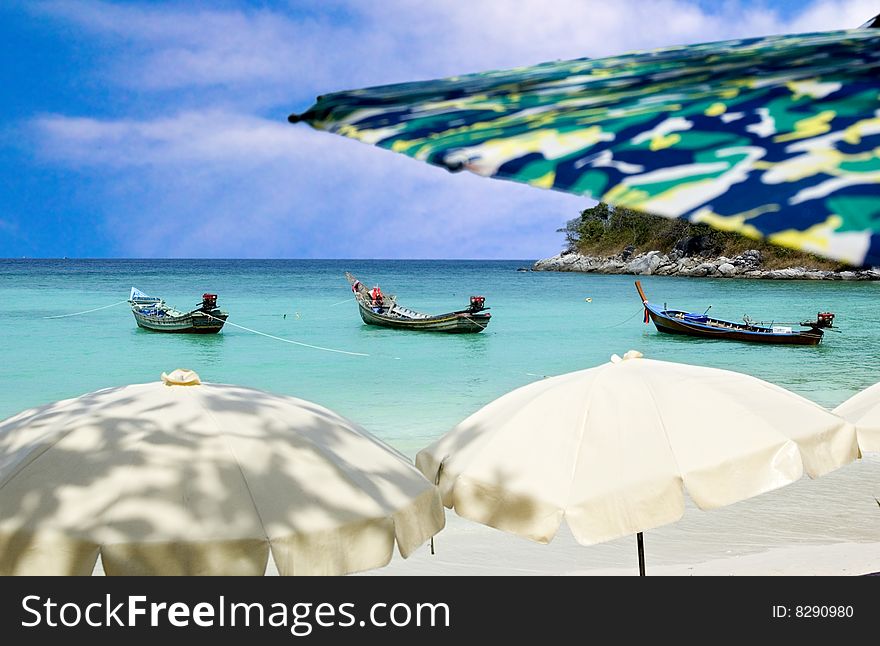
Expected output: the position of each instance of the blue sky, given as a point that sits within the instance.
(157, 129)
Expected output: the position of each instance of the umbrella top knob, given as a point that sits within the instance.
(632, 354)
(181, 377)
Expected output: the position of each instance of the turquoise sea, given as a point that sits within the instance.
(413, 387)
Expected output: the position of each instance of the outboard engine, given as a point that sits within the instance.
(823, 320)
(209, 302)
(478, 303)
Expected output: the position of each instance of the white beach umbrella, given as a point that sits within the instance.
(863, 411)
(612, 449)
(188, 478)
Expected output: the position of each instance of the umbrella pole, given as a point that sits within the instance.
(641, 541)
(437, 484)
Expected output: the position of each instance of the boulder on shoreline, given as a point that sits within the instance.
(655, 263)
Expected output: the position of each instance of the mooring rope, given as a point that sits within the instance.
(347, 300)
(626, 320)
(278, 338)
(61, 316)
(482, 327)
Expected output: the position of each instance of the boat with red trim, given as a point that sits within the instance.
(381, 309)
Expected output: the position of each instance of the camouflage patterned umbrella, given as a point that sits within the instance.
(775, 137)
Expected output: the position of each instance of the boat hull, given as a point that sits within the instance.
(673, 325)
(190, 323)
(451, 323)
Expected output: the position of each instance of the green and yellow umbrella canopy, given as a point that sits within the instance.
(775, 137)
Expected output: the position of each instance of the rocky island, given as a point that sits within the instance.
(619, 241)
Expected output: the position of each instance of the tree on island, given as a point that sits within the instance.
(605, 230)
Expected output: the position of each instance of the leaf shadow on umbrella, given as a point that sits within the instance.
(236, 514)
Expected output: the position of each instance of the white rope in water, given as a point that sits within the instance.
(241, 327)
(347, 300)
(278, 338)
(626, 320)
(482, 327)
(61, 316)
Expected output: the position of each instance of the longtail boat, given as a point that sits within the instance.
(377, 308)
(152, 313)
(701, 325)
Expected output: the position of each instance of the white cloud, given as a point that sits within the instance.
(840, 14)
(232, 185)
(353, 44)
(197, 137)
(211, 175)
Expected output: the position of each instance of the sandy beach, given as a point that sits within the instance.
(468, 549)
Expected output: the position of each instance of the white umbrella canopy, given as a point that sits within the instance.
(863, 411)
(612, 449)
(167, 478)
